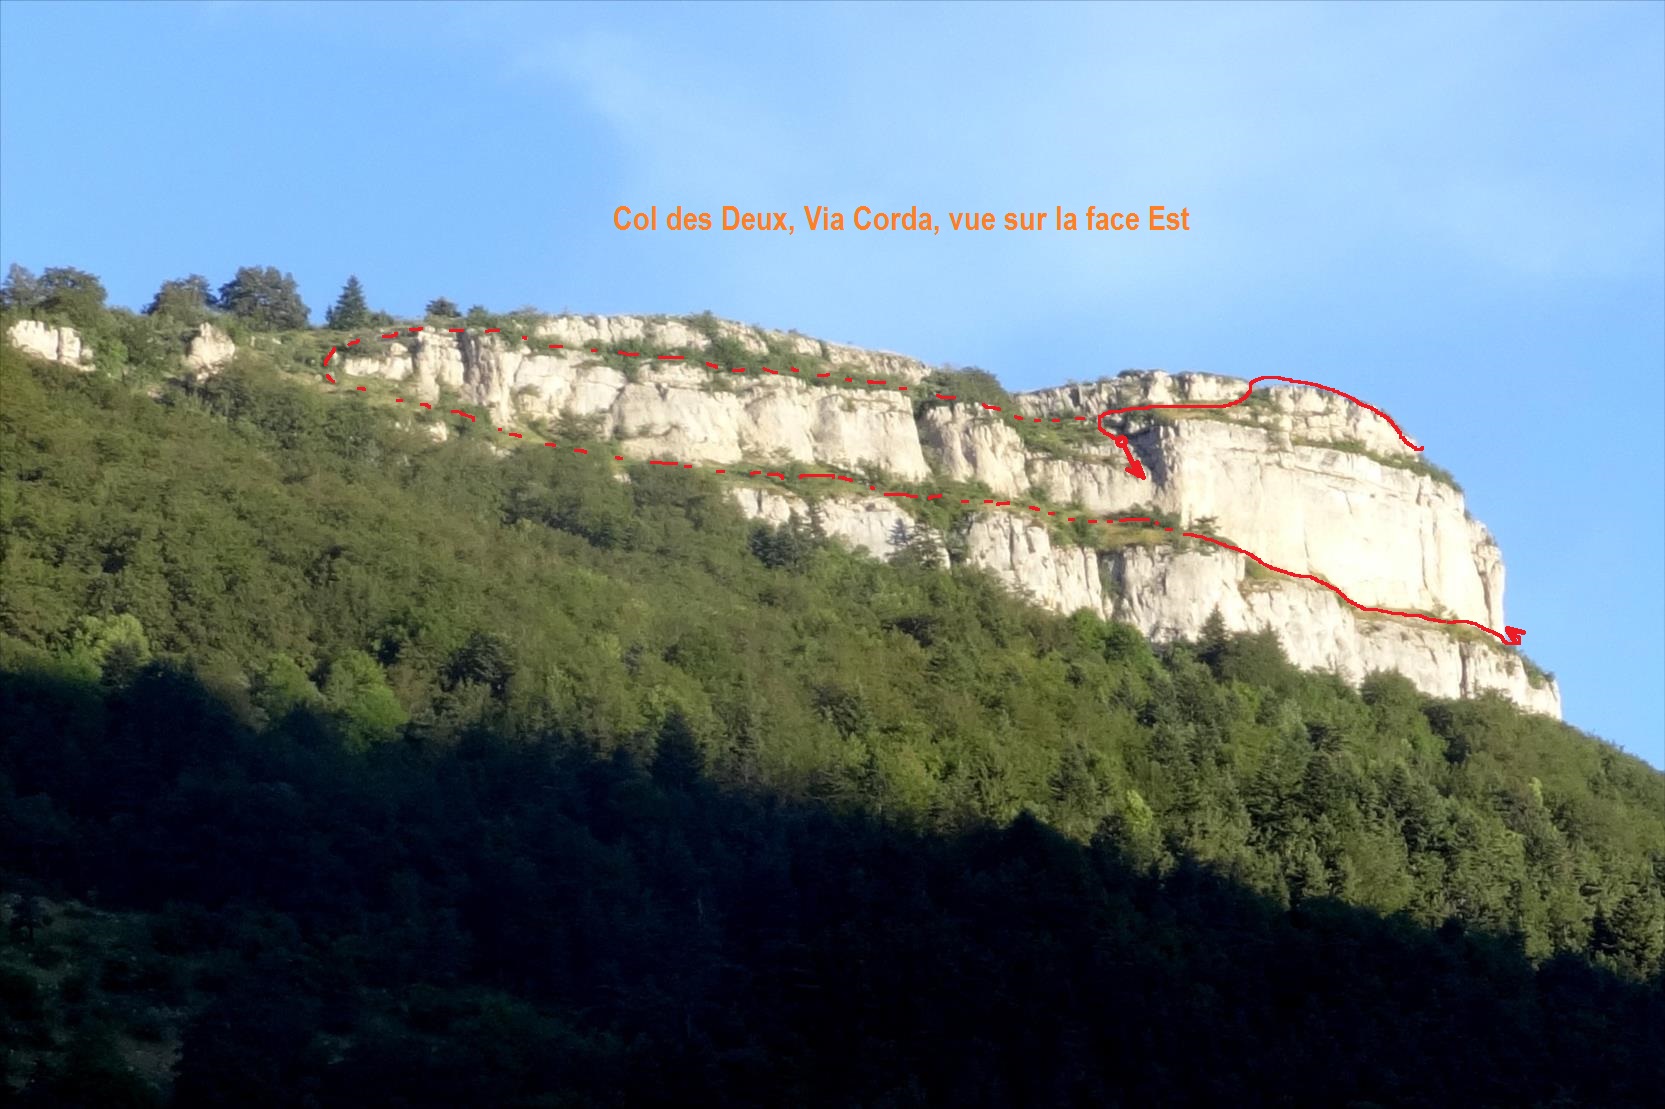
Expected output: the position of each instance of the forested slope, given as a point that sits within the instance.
(414, 769)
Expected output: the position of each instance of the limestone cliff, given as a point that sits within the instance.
(1307, 480)
(62, 345)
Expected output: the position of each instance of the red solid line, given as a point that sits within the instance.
(425, 404)
(328, 356)
(414, 330)
(944, 396)
(493, 330)
(398, 400)
(454, 330)
(361, 389)
(656, 462)
(551, 444)
(933, 496)
(915, 496)
(802, 476)
(331, 379)
(671, 357)
(579, 450)
(870, 381)
(1269, 377)
(714, 365)
(629, 353)
(516, 435)
(352, 342)
(1339, 593)
(460, 412)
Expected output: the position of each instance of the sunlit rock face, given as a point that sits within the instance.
(55, 344)
(1307, 480)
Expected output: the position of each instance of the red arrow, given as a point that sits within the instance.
(1514, 634)
(1134, 466)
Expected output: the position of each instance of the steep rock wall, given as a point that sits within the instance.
(1169, 593)
(62, 345)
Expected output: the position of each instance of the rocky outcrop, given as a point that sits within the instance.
(209, 350)
(678, 410)
(1307, 480)
(55, 344)
(875, 528)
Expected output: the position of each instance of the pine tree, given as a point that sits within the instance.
(350, 309)
(442, 308)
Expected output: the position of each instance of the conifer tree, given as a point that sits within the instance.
(350, 309)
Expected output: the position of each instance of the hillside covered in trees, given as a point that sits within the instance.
(344, 765)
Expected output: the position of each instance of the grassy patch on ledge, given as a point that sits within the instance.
(1415, 463)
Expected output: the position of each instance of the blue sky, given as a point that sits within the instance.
(1453, 212)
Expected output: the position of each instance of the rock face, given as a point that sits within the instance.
(1309, 481)
(55, 344)
(678, 410)
(209, 350)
